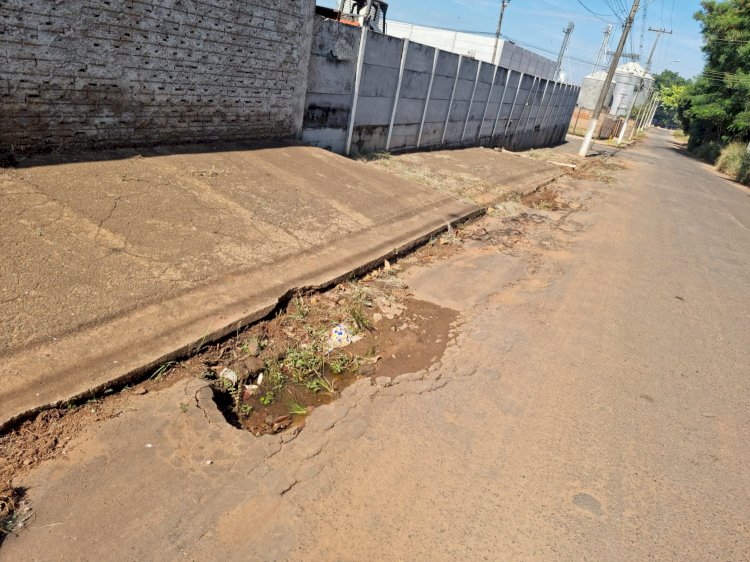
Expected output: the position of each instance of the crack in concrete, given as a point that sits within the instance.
(115, 201)
(288, 488)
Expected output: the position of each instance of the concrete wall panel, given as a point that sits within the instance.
(461, 110)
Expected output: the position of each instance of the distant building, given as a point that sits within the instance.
(625, 87)
(509, 55)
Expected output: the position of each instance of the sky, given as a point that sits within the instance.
(538, 24)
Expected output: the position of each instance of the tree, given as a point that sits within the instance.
(672, 88)
(716, 108)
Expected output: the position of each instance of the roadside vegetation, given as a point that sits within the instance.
(714, 109)
(734, 161)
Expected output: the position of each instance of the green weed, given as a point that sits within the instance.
(159, 373)
(320, 384)
(303, 363)
(295, 408)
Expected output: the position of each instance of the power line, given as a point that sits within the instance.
(595, 14)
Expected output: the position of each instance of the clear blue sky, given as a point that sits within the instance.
(538, 24)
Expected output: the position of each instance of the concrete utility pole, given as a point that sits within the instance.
(659, 33)
(641, 119)
(503, 5)
(657, 101)
(564, 48)
(602, 54)
(608, 81)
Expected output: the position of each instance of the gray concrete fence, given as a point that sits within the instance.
(370, 92)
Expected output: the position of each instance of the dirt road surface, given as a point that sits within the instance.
(593, 404)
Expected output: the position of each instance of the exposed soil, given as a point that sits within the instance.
(545, 198)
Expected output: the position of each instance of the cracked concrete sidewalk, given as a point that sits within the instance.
(113, 262)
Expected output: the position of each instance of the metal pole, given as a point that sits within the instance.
(610, 74)
(355, 94)
(404, 52)
(471, 101)
(602, 54)
(453, 93)
(563, 49)
(427, 99)
(503, 5)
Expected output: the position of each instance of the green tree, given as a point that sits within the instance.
(715, 109)
(672, 88)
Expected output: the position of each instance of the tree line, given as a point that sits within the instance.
(714, 108)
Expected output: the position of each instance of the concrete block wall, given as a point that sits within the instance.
(106, 73)
(330, 86)
(409, 95)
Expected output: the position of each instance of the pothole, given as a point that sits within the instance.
(274, 374)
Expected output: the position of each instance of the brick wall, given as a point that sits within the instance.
(106, 73)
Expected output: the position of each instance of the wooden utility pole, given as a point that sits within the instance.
(608, 81)
(503, 5)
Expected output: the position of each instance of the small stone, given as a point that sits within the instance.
(229, 374)
(387, 265)
(249, 392)
(259, 380)
(269, 420)
(253, 347)
(283, 418)
(377, 317)
(282, 423)
(383, 381)
(27, 462)
(139, 391)
(209, 462)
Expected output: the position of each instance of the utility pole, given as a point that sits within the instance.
(641, 119)
(503, 5)
(608, 81)
(602, 54)
(657, 101)
(659, 33)
(564, 48)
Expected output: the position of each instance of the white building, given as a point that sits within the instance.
(625, 86)
(480, 47)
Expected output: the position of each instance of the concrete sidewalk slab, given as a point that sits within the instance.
(479, 175)
(116, 262)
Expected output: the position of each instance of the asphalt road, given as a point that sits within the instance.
(595, 408)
